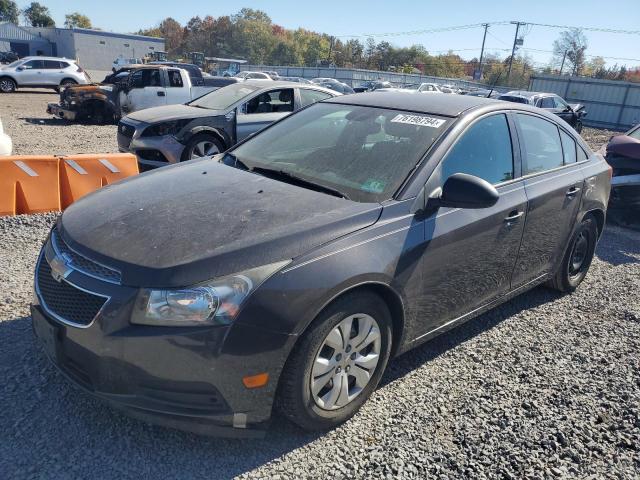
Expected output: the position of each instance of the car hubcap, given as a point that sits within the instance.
(345, 362)
(579, 254)
(6, 86)
(205, 148)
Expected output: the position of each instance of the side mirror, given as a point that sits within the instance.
(20, 68)
(461, 190)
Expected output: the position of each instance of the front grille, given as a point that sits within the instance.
(154, 155)
(64, 300)
(82, 264)
(126, 130)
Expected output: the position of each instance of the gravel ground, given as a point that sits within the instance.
(545, 386)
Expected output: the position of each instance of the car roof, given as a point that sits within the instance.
(35, 57)
(439, 104)
(282, 83)
(527, 94)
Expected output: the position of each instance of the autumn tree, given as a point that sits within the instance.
(9, 11)
(77, 20)
(573, 44)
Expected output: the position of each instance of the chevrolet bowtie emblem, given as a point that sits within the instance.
(59, 267)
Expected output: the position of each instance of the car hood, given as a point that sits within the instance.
(172, 112)
(191, 222)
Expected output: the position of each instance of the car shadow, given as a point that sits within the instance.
(46, 121)
(618, 253)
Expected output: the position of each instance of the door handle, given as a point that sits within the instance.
(161, 94)
(572, 191)
(513, 216)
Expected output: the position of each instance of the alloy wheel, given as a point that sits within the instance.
(345, 362)
(6, 86)
(205, 148)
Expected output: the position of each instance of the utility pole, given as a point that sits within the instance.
(486, 26)
(562, 64)
(513, 50)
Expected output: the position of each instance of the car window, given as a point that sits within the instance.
(568, 148)
(484, 150)
(560, 103)
(273, 101)
(64, 65)
(547, 102)
(224, 97)
(541, 143)
(33, 65)
(51, 64)
(308, 96)
(145, 78)
(175, 79)
(582, 155)
(365, 152)
(635, 134)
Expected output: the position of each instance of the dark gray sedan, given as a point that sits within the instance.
(212, 123)
(288, 271)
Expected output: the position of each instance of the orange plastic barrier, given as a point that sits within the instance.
(29, 184)
(82, 174)
(35, 184)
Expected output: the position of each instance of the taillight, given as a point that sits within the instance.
(610, 171)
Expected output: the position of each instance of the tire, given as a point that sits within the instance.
(577, 259)
(7, 85)
(296, 399)
(67, 82)
(202, 145)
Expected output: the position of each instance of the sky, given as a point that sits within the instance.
(347, 19)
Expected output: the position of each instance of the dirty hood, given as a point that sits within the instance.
(172, 112)
(191, 222)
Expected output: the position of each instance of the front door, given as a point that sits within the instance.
(30, 73)
(554, 189)
(470, 257)
(145, 90)
(262, 110)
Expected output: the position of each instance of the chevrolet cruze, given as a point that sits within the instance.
(286, 272)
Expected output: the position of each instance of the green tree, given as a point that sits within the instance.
(38, 15)
(77, 20)
(9, 11)
(573, 43)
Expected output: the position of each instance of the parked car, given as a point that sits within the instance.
(41, 72)
(273, 74)
(371, 85)
(622, 152)
(138, 88)
(6, 145)
(212, 123)
(120, 62)
(286, 272)
(334, 85)
(8, 57)
(570, 113)
(480, 92)
(296, 79)
(253, 76)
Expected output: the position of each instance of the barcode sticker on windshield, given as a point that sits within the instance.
(418, 120)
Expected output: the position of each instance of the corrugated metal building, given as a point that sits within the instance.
(94, 49)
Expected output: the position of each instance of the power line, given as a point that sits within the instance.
(588, 29)
(422, 32)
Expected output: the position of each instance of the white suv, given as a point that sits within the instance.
(41, 72)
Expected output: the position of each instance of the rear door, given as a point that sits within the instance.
(177, 91)
(553, 184)
(469, 259)
(53, 72)
(146, 90)
(262, 110)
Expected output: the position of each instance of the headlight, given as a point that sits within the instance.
(165, 128)
(216, 302)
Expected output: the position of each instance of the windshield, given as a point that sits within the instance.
(364, 153)
(224, 97)
(15, 64)
(413, 86)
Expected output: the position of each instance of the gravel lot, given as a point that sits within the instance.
(545, 386)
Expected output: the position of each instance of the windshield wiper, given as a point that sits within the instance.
(291, 178)
(237, 163)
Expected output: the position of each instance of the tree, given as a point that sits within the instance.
(9, 11)
(38, 15)
(77, 20)
(574, 43)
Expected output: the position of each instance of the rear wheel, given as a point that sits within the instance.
(202, 145)
(7, 85)
(337, 363)
(577, 259)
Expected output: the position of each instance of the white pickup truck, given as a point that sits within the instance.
(157, 85)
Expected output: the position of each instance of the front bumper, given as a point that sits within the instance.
(189, 378)
(150, 151)
(60, 111)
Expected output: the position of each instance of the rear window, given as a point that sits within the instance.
(510, 98)
(541, 142)
(568, 148)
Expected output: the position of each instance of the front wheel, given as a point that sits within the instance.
(7, 85)
(337, 363)
(577, 259)
(202, 145)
